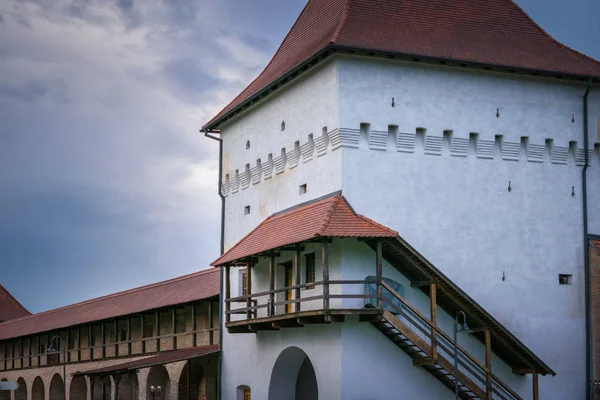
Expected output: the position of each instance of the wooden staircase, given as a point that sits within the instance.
(419, 351)
(432, 349)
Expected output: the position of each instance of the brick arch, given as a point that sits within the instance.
(4, 395)
(159, 376)
(78, 388)
(56, 387)
(21, 392)
(37, 389)
(197, 384)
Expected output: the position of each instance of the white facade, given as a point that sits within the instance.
(435, 167)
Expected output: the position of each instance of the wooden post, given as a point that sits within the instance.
(157, 329)
(379, 275)
(433, 315)
(187, 379)
(30, 357)
(12, 349)
(297, 268)
(249, 291)
(325, 264)
(536, 393)
(194, 324)
(103, 333)
(173, 328)
(210, 322)
(272, 285)
(79, 344)
(488, 364)
(116, 333)
(227, 294)
(142, 333)
(47, 344)
(67, 352)
(90, 336)
(128, 336)
(5, 356)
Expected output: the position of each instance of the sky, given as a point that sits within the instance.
(105, 182)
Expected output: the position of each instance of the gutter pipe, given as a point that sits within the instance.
(207, 133)
(586, 250)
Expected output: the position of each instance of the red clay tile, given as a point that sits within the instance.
(328, 217)
(492, 32)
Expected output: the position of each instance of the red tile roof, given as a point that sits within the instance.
(490, 32)
(596, 243)
(161, 358)
(10, 308)
(196, 286)
(327, 217)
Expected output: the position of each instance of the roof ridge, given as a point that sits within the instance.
(569, 50)
(328, 214)
(5, 290)
(342, 24)
(111, 295)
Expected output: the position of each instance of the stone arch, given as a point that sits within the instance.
(243, 392)
(101, 388)
(37, 389)
(127, 387)
(158, 376)
(78, 388)
(293, 377)
(56, 387)
(21, 392)
(197, 384)
(4, 395)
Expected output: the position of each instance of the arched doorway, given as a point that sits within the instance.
(21, 392)
(37, 390)
(293, 377)
(101, 388)
(127, 387)
(197, 381)
(56, 387)
(78, 389)
(4, 395)
(158, 376)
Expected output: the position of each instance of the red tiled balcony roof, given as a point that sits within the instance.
(484, 32)
(596, 243)
(184, 289)
(328, 217)
(10, 308)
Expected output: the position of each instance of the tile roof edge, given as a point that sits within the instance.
(342, 23)
(112, 295)
(15, 300)
(334, 203)
(367, 219)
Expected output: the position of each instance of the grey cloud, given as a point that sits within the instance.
(36, 89)
(188, 77)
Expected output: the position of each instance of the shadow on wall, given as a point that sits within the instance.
(293, 377)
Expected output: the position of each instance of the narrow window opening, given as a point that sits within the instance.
(309, 262)
(303, 188)
(282, 126)
(247, 144)
(243, 282)
(246, 210)
(565, 279)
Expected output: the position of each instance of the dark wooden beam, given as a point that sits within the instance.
(194, 325)
(79, 343)
(379, 274)
(227, 294)
(536, 392)
(297, 269)
(271, 308)
(103, 333)
(488, 364)
(433, 316)
(325, 266)
(210, 322)
(90, 336)
(173, 328)
(142, 332)
(68, 353)
(129, 335)
(116, 333)
(422, 283)
(30, 354)
(157, 329)
(249, 291)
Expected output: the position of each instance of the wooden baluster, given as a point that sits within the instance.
(128, 336)
(157, 329)
(142, 333)
(116, 333)
(103, 333)
(173, 328)
(227, 294)
(272, 285)
(210, 322)
(488, 363)
(249, 290)
(433, 312)
(194, 324)
(79, 344)
(325, 264)
(297, 268)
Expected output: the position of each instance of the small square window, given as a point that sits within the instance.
(309, 261)
(246, 210)
(244, 283)
(302, 189)
(565, 279)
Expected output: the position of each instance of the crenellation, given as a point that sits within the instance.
(433, 145)
(307, 149)
(245, 177)
(406, 142)
(268, 168)
(294, 156)
(280, 162)
(322, 142)
(510, 150)
(235, 184)
(459, 147)
(256, 172)
(378, 140)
